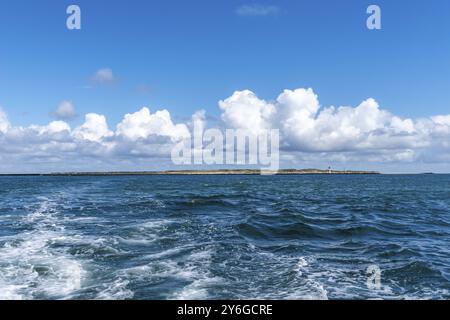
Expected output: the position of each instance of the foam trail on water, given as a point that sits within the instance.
(31, 268)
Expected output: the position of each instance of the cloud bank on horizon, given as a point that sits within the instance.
(309, 133)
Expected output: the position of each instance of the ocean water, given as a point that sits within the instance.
(224, 237)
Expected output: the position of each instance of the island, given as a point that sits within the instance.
(207, 172)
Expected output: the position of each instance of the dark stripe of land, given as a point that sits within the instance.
(208, 172)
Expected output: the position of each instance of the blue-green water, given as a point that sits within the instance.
(224, 237)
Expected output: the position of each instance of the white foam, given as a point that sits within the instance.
(198, 289)
(10, 292)
(195, 270)
(301, 264)
(30, 267)
(116, 290)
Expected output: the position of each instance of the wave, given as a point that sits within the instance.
(31, 268)
(237, 238)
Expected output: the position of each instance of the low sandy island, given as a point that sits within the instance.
(214, 172)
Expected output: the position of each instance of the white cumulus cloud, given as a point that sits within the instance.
(143, 124)
(65, 111)
(94, 129)
(244, 110)
(310, 134)
(362, 132)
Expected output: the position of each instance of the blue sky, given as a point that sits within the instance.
(188, 55)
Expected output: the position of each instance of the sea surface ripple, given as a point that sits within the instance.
(224, 237)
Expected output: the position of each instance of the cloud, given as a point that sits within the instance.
(65, 111)
(103, 76)
(143, 125)
(52, 128)
(244, 110)
(365, 132)
(4, 123)
(311, 135)
(94, 129)
(256, 9)
(58, 147)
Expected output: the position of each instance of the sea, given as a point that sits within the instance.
(225, 237)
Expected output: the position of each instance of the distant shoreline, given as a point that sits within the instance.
(203, 172)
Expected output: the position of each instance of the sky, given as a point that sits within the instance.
(186, 56)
